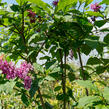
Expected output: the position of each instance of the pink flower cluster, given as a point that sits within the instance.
(55, 3)
(22, 72)
(8, 69)
(32, 16)
(96, 7)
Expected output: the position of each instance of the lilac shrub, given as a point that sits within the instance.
(22, 72)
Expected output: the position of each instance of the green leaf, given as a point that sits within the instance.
(94, 61)
(86, 49)
(70, 93)
(104, 30)
(46, 96)
(34, 87)
(50, 63)
(15, 8)
(87, 100)
(87, 84)
(105, 61)
(105, 2)
(2, 12)
(100, 69)
(48, 106)
(24, 98)
(19, 84)
(57, 88)
(100, 106)
(106, 39)
(91, 43)
(49, 78)
(55, 75)
(61, 97)
(38, 67)
(91, 13)
(100, 47)
(8, 86)
(63, 4)
(41, 4)
(106, 93)
(71, 77)
(100, 23)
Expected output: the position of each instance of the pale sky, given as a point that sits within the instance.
(47, 1)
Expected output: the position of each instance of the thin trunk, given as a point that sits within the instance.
(83, 75)
(41, 99)
(63, 78)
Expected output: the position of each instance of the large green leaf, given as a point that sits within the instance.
(100, 69)
(24, 98)
(105, 2)
(100, 106)
(93, 61)
(86, 49)
(62, 5)
(91, 43)
(8, 86)
(91, 13)
(100, 23)
(71, 76)
(41, 4)
(106, 93)
(15, 8)
(106, 39)
(2, 12)
(86, 84)
(87, 100)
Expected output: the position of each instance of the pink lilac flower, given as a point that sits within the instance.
(8, 69)
(27, 82)
(55, 3)
(32, 16)
(12, 72)
(24, 69)
(96, 7)
(31, 13)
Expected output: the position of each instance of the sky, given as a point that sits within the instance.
(14, 1)
(47, 1)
